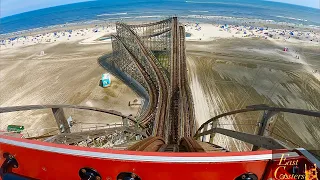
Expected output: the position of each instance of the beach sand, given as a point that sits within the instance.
(232, 66)
(67, 72)
(208, 32)
(230, 74)
(229, 67)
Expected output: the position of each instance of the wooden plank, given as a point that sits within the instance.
(61, 120)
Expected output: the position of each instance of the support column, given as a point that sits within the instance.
(264, 123)
(259, 141)
(61, 120)
(213, 134)
(205, 128)
(125, 122)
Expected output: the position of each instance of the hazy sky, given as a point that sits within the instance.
(10, 7)
(309, 3)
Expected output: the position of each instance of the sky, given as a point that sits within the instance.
(11, 7)
(309, 3)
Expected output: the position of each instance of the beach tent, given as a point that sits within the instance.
(105, 80)
(291, 33)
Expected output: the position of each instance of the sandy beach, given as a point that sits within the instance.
(64, 71)
(232, 66)
(229, 67)
(229, 74)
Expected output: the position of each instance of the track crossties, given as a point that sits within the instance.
(154, 55)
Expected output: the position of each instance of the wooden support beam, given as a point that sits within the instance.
(211, 137)
(61, 120)
(264, 123)
(260, 141)
(205, 128)
(125, 122)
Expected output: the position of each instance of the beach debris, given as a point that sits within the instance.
(42, 53)
(107, 140)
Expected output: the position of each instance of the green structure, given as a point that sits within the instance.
(15, 128)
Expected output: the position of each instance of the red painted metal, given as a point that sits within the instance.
(43, 164)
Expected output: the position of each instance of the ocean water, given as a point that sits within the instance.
(93, 11)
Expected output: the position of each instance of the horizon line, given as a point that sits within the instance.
(276, 1)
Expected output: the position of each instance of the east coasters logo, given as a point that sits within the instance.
(292, 169)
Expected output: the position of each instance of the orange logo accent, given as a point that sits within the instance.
(281, 172)
(311, 174)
